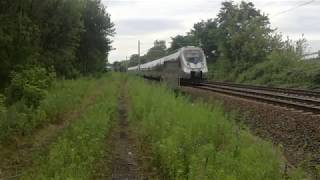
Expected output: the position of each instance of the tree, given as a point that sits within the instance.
(134, 60)
(244, 35)
(158, 50)
(206, 35)
(61, 25)
(69, 36)
(18, 38)
(95, 42)
(180, 41)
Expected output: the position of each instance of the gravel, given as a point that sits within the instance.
(296, 131)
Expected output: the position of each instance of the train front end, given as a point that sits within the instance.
(194, 65)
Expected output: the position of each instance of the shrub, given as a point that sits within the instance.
(283, 69)
(29, 85)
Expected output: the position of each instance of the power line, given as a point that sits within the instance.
(293, 8)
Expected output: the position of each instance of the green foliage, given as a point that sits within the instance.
(95, 41)
(158, 50)
(180, 41)
(41, 35)
(3, 115)
(2, 107)
(284, 67)
(63, 97)
(29, 86)
(197, 141)
(53, 33)
(240, 46)
(66, 95)
(206, 33)
(18, 38)
(74, 154)
(245, 37)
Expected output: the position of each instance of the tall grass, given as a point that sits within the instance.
(64, 95)
(198, 141)
(74, 154)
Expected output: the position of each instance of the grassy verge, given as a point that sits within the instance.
(75, 152)
(198, 141)
(63, 97)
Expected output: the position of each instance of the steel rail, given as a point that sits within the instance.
(297, 102)
(298, 92)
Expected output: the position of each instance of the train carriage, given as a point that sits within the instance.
(187, 63)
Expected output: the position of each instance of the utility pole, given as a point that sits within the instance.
(126, 63)
(139, 55)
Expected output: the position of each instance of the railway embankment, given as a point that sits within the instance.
(197, 140)
(296, 131)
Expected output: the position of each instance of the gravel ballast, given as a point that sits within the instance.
(296, 131)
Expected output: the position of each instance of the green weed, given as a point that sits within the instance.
(198, 141)
(74, 154)
(62, 97)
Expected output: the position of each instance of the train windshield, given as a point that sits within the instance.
(193, 56)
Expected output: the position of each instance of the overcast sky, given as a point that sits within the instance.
(149, 20)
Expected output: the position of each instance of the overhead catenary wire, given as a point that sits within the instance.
(293, 8)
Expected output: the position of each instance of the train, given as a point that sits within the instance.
(187, 63)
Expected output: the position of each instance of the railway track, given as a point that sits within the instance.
(305, 100)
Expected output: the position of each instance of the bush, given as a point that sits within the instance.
(29, 85)
(283, 68)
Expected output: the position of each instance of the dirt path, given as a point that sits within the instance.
(127, 159)
(124, 159)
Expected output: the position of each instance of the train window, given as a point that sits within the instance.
(193, 56)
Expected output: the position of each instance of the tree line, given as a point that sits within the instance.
(45, 39)
(158, 50)
(241, 46)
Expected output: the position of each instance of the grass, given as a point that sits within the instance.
(63, 97)
(198, 141)
(76, 151)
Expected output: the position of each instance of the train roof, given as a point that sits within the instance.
(160, 61)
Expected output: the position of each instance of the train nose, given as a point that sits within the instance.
(196, 74)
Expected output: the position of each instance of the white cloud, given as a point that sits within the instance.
(148, 20)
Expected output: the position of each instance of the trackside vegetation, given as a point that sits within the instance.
(43, 41)
(63, 96)
(82, 144)
(198, 141)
